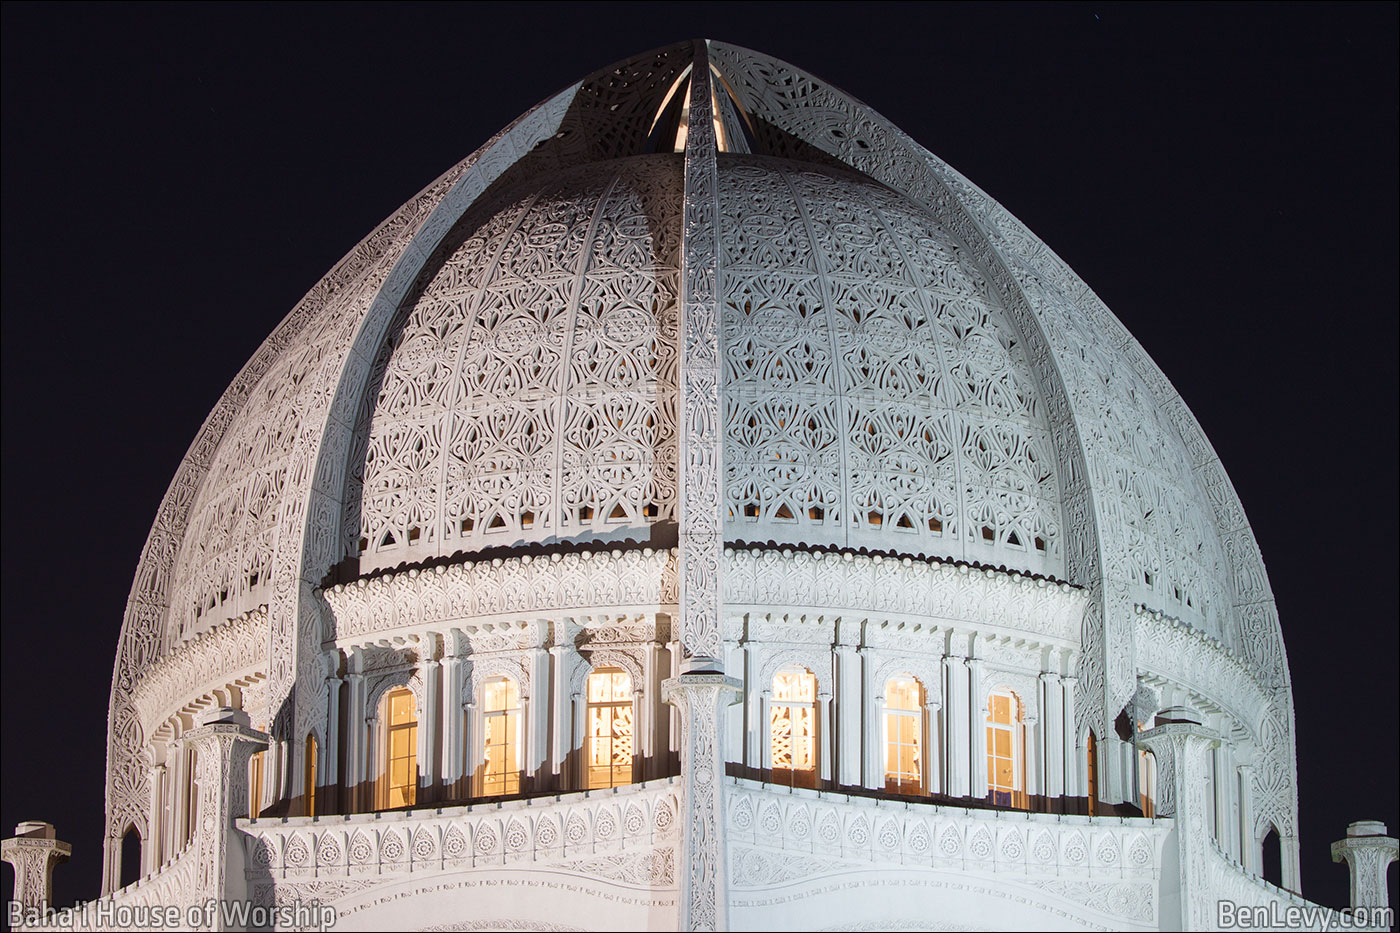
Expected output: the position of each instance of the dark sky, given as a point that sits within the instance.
(176, 177)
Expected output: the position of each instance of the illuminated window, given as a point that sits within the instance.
(904, 730)
(255, 784)
(399, 783)
(1147, 782)
(792, 724)
(1005, 768)
(1092, 770)
(500, 772)
(608, 749)
(308, 790)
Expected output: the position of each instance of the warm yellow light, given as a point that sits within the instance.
(501, 768)
(904, 736)
(792, 728)
(608, 746)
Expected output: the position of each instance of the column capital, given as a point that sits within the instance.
(1175, 745)
(34, 850)
(1368, 852)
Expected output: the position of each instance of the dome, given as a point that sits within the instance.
(874, 393)
(701, 365)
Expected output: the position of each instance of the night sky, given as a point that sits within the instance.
(176, 178)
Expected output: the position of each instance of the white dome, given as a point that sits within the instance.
(499, 372)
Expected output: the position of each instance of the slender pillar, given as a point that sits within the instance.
(430, 723)
(850, 704)
(356, 765)
(453, 729)
(701, 699)
(1052, 728)
(1249, 846)
(1368, 852)
(223, 744)
(34, 851)
(1182, 750)
(977, 727)
(956, 734)
(150, 852)
(1076, 778)
(328, 763)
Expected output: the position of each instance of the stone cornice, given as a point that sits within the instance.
(1170, 649)
(218, 657)
(904, 589)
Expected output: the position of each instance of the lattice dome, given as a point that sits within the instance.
(706, 361)
(874, 393)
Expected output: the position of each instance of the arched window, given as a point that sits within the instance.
(308, 790)
(608, 750)
(1092, 770)
(500, 772)
(792, 725)
(1271, 857)
(399, 783)
(1005, 750)
(904, 735)
(131, 856)
(1147, 782)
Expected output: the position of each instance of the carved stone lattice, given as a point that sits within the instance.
(801, 334)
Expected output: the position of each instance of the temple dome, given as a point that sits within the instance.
(779, 390)
(874, 393)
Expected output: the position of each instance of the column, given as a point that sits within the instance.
(1368, 852)
(562, 657)
(850, 704)
(932, 777)
(825, 746)
(34, 851)
(537, 732)
(874, 747)
(1249, 847)
(328, 762)
(956, 737)
(429, 723)
(452, 724)
(1052, 730)
(977, 728)
(223, 745)
(1031, 769)
(1182, 750)
(150, 851)
(1076, 780)
(701, 700)
(356, 771)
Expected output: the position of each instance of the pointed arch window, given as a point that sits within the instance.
(904, 735)
(792, 728)
(609, 743)
(398, 785)
(1005, 750)
(500, 769)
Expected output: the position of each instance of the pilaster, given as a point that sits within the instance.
(1182, 751)
(702, 699)
(222, 744)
